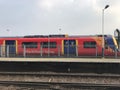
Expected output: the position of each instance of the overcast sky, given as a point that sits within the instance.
(74, 17)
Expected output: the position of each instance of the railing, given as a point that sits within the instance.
(58, 51)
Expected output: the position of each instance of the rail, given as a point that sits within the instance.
(59, 86)
(61, 74)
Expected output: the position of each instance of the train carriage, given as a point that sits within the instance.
(58, 45)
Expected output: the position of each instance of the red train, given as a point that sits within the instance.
(58, 45)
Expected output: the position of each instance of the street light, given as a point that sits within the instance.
(103, 29)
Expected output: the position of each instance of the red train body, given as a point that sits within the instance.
(57, 45)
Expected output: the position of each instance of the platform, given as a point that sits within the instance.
(82, 60)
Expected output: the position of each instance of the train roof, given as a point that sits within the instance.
(56, 36)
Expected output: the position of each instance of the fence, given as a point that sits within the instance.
(58, 51)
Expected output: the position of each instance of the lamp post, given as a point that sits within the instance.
(103, 47)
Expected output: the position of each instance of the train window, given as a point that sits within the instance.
(89, 44)
(53, 44)
(48, 44)
(29, 44)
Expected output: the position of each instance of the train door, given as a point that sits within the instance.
(10, 47)
(69, 47)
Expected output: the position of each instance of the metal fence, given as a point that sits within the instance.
(57, 51)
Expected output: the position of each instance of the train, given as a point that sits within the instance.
(58, 45)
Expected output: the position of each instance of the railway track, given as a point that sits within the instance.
(60, 81)
(61, 77)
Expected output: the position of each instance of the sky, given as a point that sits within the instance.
(72, 17)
